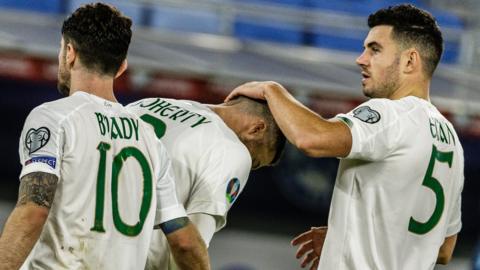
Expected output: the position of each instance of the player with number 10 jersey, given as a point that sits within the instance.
(108, 163)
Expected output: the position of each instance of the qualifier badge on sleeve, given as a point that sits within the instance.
(36, 139)
(233, 188)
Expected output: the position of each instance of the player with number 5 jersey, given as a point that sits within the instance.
(397, 195)
(95, 179)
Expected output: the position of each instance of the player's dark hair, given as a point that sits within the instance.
(101, 35)
(413, 27)
(275, 137)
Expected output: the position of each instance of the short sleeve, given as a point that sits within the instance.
(455, 221)
(372, 125)
(168, 206)
(455, 217)
(225, 173)
(41, 142)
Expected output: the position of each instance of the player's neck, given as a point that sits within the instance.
(101, 86)
(231, 118)
(222, 112)
(419, 89)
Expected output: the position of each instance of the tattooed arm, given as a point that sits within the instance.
(25, 223)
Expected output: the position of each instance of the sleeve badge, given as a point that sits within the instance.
(233, 189)
(366, 114)
(36, 139)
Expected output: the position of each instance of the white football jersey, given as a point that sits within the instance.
(115, 182)
(397, 194)
(211, 164)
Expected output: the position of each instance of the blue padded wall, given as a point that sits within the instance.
(190, 20)
(248, 29)
(50, 6)
(133, 10)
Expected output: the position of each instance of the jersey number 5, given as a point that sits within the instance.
(432, 183)
(118, 160)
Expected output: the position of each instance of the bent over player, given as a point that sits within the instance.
(396, 201)
(95, 179)
(213, 148)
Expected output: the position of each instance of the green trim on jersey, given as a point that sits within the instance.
(346, 121)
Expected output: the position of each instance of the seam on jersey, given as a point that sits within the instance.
(60, 123)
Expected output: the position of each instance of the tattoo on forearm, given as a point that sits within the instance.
(37, 187)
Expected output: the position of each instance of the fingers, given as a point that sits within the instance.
(320, 229)
(315, 264)
(310, 248)
(308, 259)
(253, 90)
(239, 90)
(304, 237)
(231, 96)
(303, 249)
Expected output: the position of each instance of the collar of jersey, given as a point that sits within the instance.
(96, 99)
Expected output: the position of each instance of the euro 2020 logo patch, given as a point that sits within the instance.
(36, 139)
(233, 188)
(367, 114)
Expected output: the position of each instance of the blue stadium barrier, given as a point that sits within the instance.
(295, 3)
(338, 42)
(446, 19)
(189, 20)
(248, 29)
(451, 52)
(354, 7)
(50, 6)
(133, 10)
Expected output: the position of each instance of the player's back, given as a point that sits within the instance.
(104, 206)
(209, 161)
(196, 139)
(397, 195)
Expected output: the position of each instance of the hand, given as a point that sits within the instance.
(311, 243)
(253, 90)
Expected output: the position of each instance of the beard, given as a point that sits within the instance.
(388, 85)
(63, 84)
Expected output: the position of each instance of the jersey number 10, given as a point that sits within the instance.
(432, 183)
(118, 160)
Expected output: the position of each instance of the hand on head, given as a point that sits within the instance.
(255, 90)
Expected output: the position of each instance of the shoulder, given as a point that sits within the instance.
(158, 102)
(142, 102)
(58, 109)
(382, 110)
(232, 153)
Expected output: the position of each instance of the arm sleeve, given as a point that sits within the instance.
(226, 167)
(455, 217)
(206, 225)
(455, 221)
(372, 125)
(168, 206)
(41, 142)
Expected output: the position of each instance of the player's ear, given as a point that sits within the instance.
(71, 55)
(122, 68)
(410, 60)
(257, 129)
